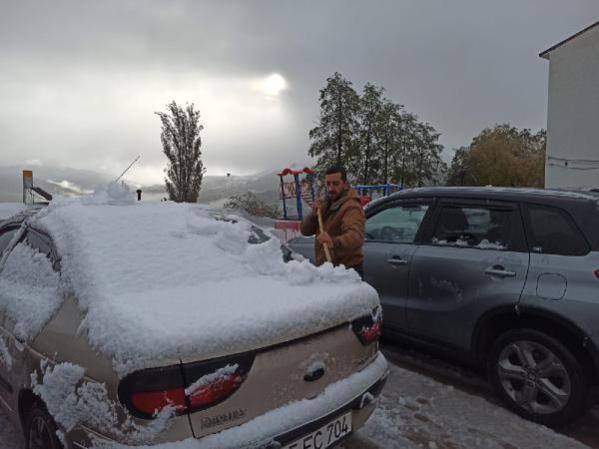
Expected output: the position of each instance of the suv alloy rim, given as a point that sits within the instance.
(534, 377)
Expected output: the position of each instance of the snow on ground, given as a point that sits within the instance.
(8, 209)
(123, 259)
(416, 412)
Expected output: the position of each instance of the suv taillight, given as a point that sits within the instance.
(369, 328)
(186, 388)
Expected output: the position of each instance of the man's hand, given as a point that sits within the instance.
(325, 239)
(318, 204)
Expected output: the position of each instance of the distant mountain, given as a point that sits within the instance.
(56, 180)
(73, 182)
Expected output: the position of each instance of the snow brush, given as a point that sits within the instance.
(327, 253)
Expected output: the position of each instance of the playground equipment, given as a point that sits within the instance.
(367, 192)
(30, 191)
(297, 189)
(305, 189)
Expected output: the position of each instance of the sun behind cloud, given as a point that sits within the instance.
(271, 85)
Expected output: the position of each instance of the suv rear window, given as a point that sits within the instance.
(553, 231)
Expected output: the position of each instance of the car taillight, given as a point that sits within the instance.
(597, 274)
(369, 328)
(213, 381)
(151, 402)
(215, 391)
(185, 388)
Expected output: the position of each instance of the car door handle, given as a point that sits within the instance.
(397, 261)
(501, 272)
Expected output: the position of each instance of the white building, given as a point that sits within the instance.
(573, 111)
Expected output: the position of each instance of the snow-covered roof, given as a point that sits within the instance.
(167, 280)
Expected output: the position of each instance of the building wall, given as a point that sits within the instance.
(573, 113)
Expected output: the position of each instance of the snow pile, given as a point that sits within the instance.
(484, 244)
(114, 193)
(29, 290)
(259, 431)
(72, 400)
(169, 280)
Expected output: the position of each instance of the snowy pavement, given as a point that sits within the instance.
(416, 411)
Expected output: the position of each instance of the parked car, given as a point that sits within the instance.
(508, 278)
(145, 324)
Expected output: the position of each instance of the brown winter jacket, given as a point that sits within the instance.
(344, 221)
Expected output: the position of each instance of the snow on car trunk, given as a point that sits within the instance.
(163, 280)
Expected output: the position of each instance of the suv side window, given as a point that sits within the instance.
(482, 227)
(396, 224)
(553, 231)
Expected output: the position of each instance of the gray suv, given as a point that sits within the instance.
(508, 278)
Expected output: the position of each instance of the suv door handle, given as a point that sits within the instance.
(397, 261)
(499, 271)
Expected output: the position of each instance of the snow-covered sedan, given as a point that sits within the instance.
(128, 324)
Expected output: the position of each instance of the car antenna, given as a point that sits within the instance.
(127, 169)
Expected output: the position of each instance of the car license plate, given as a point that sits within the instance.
(325, 436)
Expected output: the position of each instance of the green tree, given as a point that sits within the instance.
(460, 167)
(501, 156)
(389, 130)
(181, 144)
(373, 137)
(417, 152)
(334, 138)
(371, 127)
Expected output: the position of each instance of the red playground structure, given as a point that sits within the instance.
(297, 189)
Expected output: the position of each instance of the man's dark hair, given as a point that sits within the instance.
(337, 169)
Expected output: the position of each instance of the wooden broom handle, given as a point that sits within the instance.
(327, 253)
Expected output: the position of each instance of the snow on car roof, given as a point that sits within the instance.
(169, 280)
(9, 209)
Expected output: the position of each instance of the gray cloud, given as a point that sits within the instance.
(81, 79)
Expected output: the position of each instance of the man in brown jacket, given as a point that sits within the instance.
(343, 219)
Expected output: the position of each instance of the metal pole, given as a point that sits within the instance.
(283, 196)
(130, 165)
(298, 196)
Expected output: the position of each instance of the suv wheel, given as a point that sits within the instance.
(538, 377)
(40, 429)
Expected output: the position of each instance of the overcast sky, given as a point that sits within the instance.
(80, 80)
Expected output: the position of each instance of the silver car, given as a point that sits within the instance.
(507, 278)
(230, 367)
